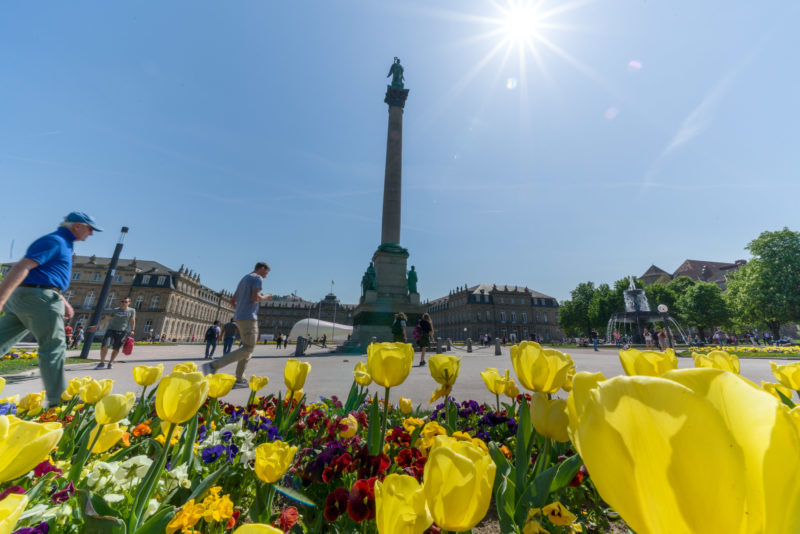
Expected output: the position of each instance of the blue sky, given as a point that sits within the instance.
(595, 139)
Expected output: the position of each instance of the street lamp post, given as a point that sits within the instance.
(98, 310)
(333, 326)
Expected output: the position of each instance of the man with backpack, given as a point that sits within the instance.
(213, 334)
(229, 332)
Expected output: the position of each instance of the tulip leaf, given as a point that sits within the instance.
(207, 482)
(786, 400)
(158, 522)
(352, 399)
(295, 496)
(500, 460)
(98, 516)
(374, 431)
(125, 452)
(415, 435)
(538, 493)
(188, 447)
(566, 472)
(43, 480)
(524, 430)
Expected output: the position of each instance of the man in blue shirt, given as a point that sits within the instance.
(30, 296)
(245, 300)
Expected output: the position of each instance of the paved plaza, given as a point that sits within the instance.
(332, 374)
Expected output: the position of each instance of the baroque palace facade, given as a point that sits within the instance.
(513, 312)
(278, 316)
(170, 303)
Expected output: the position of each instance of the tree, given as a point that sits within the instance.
(766, 291)
(661, 294)
(573, 315)
(703, 306)
(604, 303)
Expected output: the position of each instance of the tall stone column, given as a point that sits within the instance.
(392, 181)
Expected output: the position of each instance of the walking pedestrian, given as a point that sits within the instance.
(31, 298)
(648, 339)
(245, 300)
(121, 321)
(213, 334)
(424, 331)
(399, 327)
(77, 337)
(595, 340)
(229, 331)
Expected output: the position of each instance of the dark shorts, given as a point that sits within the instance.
(114, 339)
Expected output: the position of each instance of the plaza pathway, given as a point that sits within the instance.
(332, 374)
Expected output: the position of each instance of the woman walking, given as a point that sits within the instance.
(425, 326)
(648, 339)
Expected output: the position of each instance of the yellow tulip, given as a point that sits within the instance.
(10, 509)
(389, 363)
(405, 405)
(539, 369)
(494, 381)
(220, 384)
(696, 450)
(361, 374)
(717, 359)
(351, 426)
(444, 369)
(257, 528)
(400, 506)
(647, 362)
(147, 376)
(549, 417)
(185, 367)
(23, 444)
(773, 388)
(258, 382)
(109, 436)
(113, 408)
(2, 384)
(180, 395)
(94, 390)
(568, 384)
(457, 483)
(32, 403)
(13, 399)
(273, 459)
(788, 375)
(74, 387)
(294, 374)
(298, 395)
(512, 391)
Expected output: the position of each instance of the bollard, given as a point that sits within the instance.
(300, 346)
(449, 344)
(469, 344)
(438, 345)
(497, 351)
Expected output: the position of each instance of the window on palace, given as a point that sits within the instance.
(145, 279)
(154, 303)
(89, 299)
(110, 300)
(545, 317)
(538, 317)
(512, 301)
(524, 317)
(81, 320)
(161, 280)
(503, 316)
(118, 278)
(501, 300)
(76, 276)
(513, 317)
(488, 315)
(97, 277)
(138, 304)
(68, 295)
(148, 326)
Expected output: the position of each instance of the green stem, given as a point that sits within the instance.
(497, 396)
(385, 417)
(267, 517)
(149, 485)
(543, 459)
(251, 398)
(289, 399)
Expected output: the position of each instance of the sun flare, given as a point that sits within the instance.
(521, 23)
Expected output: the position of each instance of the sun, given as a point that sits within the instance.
(521, 23)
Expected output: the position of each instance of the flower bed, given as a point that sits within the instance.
(694, 450)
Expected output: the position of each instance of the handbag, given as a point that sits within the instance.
(128, 347)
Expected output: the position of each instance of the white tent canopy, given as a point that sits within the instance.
(316, 328)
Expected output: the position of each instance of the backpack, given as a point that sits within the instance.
(397, 328)
(417, 332)
(211, 333)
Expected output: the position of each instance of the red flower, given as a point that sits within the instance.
(232, 520)
(361, 501)
(371, 466)
(288, 518)
(399, 437)
(579, 476)
(336, 504)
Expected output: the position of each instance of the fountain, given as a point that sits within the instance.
(638, 315)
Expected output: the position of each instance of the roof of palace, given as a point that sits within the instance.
(713, 269)
(144, 266)
(654, 271)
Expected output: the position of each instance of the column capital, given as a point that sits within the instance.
(396, 97)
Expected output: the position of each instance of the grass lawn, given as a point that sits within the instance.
(17, 365)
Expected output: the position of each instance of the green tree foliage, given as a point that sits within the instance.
(605, 301)
(766, 291)
(703, 306)
(661, 294)
(573, 315)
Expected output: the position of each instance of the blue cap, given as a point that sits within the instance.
(85, 218)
